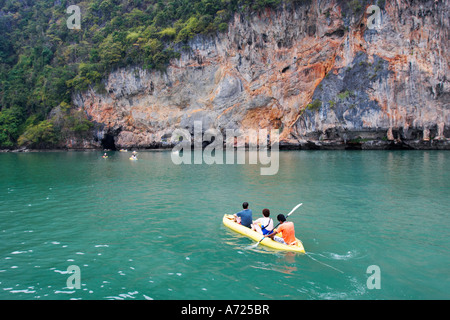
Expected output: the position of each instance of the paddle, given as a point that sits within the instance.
(292, 211)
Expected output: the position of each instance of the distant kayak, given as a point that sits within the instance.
(123, 150)
(105, 157)
(229, 222)
(133, 159)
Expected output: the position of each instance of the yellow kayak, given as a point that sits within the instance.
(133, 159)
(229, 222)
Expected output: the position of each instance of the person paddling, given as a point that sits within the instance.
(263, 225)
(244, 217)
(287, 231)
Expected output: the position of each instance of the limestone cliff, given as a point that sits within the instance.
(313, 70)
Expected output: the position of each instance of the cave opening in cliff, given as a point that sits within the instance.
(108, 142)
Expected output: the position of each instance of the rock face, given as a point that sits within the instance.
(314, 70)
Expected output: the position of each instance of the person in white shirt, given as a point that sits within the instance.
(263, 225)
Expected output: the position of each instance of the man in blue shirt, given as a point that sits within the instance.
(244, 217)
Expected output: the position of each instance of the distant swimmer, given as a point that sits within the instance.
(133, 156)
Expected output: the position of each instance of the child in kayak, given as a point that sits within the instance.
(244, 217)
(287, 230)
(263, 225)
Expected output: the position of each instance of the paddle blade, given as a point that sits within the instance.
(253, 246)
(292, 211)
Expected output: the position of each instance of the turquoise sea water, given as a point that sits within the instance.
(153, 230)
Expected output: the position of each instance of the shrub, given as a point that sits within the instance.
(315, 105)
(10, 121)
(168, 33)
(38, 136)
(345, 94)
(223, 27)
